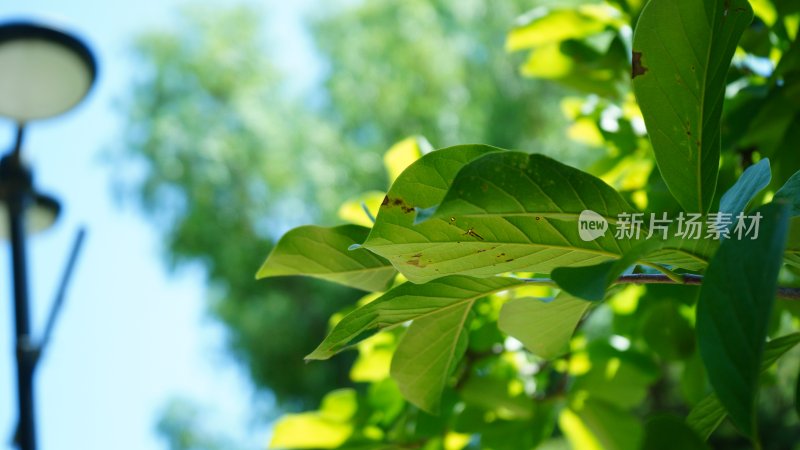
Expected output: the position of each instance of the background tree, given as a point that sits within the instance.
(229, 157)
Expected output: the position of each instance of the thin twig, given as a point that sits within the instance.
(787, 293)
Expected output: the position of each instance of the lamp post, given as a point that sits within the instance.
(44, 72)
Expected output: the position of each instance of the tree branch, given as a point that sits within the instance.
(787, 293)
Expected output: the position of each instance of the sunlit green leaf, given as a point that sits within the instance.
(619, 378)
(324, 253)
(436, 338)
(514, 211)
(422, 185)
(329, 427)
(405, 302)
(428, 353)
(546, 26)
(543, 327)
(361, 210)
(403, 154)
(681, 53)
(733, 312)
(596, 425)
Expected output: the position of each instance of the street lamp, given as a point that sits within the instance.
(44, 72)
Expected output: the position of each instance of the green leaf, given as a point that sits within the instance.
(792, 254)
(681, 53)
(667, 332)
(669, 433)
(706, 416)
(709, 413)
(620, 378)
(791, 193)
(591, 282)
(797, 395)
(545, 328)
(503, 212)
(436, 338)
(405, 302)
(753, 180)
(323, 253)
(733, 312)
(596, 425)
(329, 427)
(428, 353)
(422, 185)
(552, 25)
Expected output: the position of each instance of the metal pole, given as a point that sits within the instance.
(25, 347)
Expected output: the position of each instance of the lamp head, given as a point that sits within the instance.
(44, 71)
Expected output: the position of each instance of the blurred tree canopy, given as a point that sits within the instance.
(223, 156)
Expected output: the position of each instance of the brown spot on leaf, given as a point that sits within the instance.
(415, 261)
(637, 67)
(484, 187)
(405, 207)
(510, 259)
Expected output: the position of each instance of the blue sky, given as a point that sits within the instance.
(131, 336)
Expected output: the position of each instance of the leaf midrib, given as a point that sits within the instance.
(701, 123)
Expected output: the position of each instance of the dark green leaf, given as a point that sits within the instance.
(670, 433)
(791, 193)
(709, 413)
(681, 53)
(323, 253)
(591, 282)
(733, 312)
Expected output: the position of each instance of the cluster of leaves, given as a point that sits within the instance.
(492, 324)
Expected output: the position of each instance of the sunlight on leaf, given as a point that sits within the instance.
(324, 253)
(403, 154)
(543, 327)
(353, 210)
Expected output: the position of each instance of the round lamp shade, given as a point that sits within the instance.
(43, 71)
